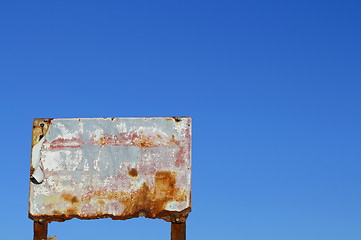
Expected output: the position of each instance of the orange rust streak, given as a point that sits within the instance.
(129, 139)
(152, 202)
(112, 140)
(144, 142)
(70, 198)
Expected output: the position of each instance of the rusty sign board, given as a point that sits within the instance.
(121, 168)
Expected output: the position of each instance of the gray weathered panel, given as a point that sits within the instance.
(111, 167)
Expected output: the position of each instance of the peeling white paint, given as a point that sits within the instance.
(38, 173)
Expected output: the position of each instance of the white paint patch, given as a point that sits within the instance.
(38, 173)
(176, 206)
(53, 161)
(121, 127)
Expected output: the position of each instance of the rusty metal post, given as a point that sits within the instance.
(40, 230)
(178, 231)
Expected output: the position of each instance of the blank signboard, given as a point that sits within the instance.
(120, 168)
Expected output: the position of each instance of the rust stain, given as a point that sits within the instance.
(129, 139)
(56, 212)
(102, 141)
(151, 203)
(133, 139)
(72, 211)
(40, 127)
(177, 119)
(133, 172)
(165, 184)
(147, 202)
(108, 140)
(105, 195)
(69, 198)
(144, 142)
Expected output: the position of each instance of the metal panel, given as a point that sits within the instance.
(111, 167)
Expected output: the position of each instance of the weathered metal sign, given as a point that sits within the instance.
(120, 168)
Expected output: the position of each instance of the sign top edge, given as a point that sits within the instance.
(74, 118)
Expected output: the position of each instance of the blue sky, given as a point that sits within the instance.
(273, 88)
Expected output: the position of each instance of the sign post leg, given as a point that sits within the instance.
(178, 231)
(40, 230)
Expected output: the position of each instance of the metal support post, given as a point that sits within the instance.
(178, 231)
(40, 230)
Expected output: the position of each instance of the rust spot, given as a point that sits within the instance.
(144, 142)
(69, 198)
(31, 171)
(101, 202)
(133, 172)
(177, 119)
(159, 136)
(112, 140)
(101, 141)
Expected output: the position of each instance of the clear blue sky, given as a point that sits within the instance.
(274, 89)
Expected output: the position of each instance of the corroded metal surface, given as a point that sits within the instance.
(40, 230)
(111, 167)
(178, 231)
